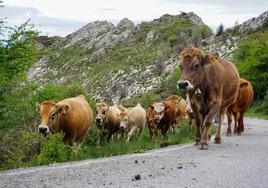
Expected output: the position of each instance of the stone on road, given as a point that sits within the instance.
(240, 161)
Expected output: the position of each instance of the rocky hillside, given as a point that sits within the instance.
(125, 61)
(228, 41)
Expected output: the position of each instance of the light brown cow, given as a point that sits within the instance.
(216, 80)
(107, 120)
(242, 103)
(72, 116)
(132, 120)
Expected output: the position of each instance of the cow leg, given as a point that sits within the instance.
(99, 137)
(242, 121)
(198, 123)
(207, 123)
(164, 132)
(131, 132)
(240, 124)
(235, 121)
(190, 121)
(217, 139)
(229, 129)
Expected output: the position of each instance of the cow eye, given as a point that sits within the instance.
(103, 113)
(53, 115)
(196, 66)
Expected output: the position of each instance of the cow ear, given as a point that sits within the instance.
(120, 107)
(243, 84)
(63, 108)
(37, 107)
(209, 58)
(167, 108)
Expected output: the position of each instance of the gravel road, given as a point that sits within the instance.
(240, 161)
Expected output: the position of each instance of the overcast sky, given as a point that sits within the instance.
(61, 17)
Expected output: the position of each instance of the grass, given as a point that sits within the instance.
(252, 113)
(52, 149)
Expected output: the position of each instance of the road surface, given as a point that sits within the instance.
(240, 161)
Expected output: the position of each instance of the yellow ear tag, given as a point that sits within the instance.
(213, 60)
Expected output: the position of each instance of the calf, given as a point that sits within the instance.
(242, 103)
(132, 120)
(160, 116)
(107, 120)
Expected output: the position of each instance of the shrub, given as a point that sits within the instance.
(18, 147)
(54, 150)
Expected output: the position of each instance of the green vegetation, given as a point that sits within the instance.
(33, 149)
(251, 57)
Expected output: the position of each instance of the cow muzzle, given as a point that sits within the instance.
(43, 129)
(184, 84)
(98, 120)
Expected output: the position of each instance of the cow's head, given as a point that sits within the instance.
(123, 117)
(192, 67)
(49, 114)
(159, 110)
(101, 112)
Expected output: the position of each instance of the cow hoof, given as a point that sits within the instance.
(197, 143)
(238, 133)
(204, 147)
(228, 133)
(217, 140)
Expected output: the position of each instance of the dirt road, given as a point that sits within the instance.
(240, 161)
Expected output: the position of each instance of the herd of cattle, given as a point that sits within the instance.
(213, 87)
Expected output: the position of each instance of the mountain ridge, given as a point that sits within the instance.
(124, 61)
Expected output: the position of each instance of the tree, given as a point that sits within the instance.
(220, 30)
(18, 51)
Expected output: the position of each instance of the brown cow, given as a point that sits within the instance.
(72, 116)
(180, 105)
(216, 80)
(160, 116)
(107, 120)
(242, 103)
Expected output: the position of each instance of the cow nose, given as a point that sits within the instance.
(182, 85)
(43, 130)
(98, 120)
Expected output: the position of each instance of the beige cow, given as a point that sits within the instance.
(132, 120)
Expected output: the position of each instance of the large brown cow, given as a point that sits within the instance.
(216, 80)
(160, 116)
(107, 120)
(72, 116)
(242, 103)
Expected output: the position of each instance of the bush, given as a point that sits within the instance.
(18, 147)
(53, 150)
